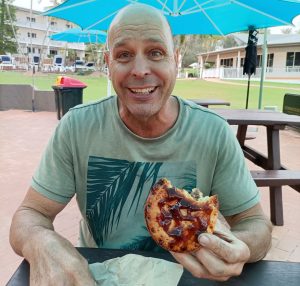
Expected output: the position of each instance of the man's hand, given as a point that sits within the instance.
(58, 263)
(221, 256)
(53, 259)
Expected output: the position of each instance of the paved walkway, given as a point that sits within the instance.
(23, 136)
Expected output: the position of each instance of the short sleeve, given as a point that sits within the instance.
(54, 177)
(232, 181)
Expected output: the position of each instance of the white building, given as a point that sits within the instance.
(33, 30)
(283, 60)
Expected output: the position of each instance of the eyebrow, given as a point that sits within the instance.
(150, 40)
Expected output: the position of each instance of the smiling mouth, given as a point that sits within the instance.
(143, 91)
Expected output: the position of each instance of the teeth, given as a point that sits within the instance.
(142, 90)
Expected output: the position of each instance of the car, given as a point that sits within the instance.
(58, 61)
(5, 60)
(90, 65)
(80, 65)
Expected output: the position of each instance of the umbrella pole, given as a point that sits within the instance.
(248, 88)
(263, 69)
(33, 64)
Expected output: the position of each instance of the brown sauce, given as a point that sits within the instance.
(172, 208)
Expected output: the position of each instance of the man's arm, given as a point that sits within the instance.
(224, 253)
(52, 258)
(253, 228)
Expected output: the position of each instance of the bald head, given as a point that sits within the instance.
(140, 14)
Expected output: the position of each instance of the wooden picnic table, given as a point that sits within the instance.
(207, 102)
(274, 121)
(264, 273)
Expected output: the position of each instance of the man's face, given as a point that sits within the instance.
(142, 66)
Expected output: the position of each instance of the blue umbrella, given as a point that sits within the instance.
(77, 35)
(218, 17)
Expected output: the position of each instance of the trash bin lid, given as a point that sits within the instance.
(65, 81)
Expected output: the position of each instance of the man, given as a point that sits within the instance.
(111, 152)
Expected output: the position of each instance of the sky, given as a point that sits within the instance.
(40, 5)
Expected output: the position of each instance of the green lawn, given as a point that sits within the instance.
(190, 88)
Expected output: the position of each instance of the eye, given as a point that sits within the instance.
(123, 56)
(156, 55)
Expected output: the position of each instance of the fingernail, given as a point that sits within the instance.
(203, 240)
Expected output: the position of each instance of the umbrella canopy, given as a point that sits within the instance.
(77, 35)
(218, 17)
(251, 54)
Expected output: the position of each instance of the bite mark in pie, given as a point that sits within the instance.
(175, 218)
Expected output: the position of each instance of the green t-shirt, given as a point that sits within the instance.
(110, 169)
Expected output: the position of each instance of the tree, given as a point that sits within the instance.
(229, 42)
(94, 53)
(287, 30)
(53, 3)
(8, 43)
(191, 45)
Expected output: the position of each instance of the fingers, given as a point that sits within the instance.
(193, 265)
(217, 267)
(221, 256)
(226, 246)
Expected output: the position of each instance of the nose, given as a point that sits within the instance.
(141, 67)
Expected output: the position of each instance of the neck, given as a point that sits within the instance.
(156, 125)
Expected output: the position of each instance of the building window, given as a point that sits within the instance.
(242, 62)
(227, 62)
(52, 23)
(297, 59)
(30, 19)
(32, 35)
(270, 60)
(53, 52)
(258, 61)
(69, 26)
(29, 50)
(293, 59)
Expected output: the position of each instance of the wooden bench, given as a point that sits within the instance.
(275, 179)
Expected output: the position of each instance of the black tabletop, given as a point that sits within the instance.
(207, 102)
(263, 273)
(258, 117)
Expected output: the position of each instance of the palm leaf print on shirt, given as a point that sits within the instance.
(109, 182)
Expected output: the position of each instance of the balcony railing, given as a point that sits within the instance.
(226, 73)
(40, 26)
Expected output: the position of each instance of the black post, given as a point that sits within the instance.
(248, 87)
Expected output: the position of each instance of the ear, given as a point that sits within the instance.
(176, 57)
(107, 61)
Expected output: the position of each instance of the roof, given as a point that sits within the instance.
(18, 8)
(272, 40)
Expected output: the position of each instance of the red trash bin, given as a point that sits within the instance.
(68, 93)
